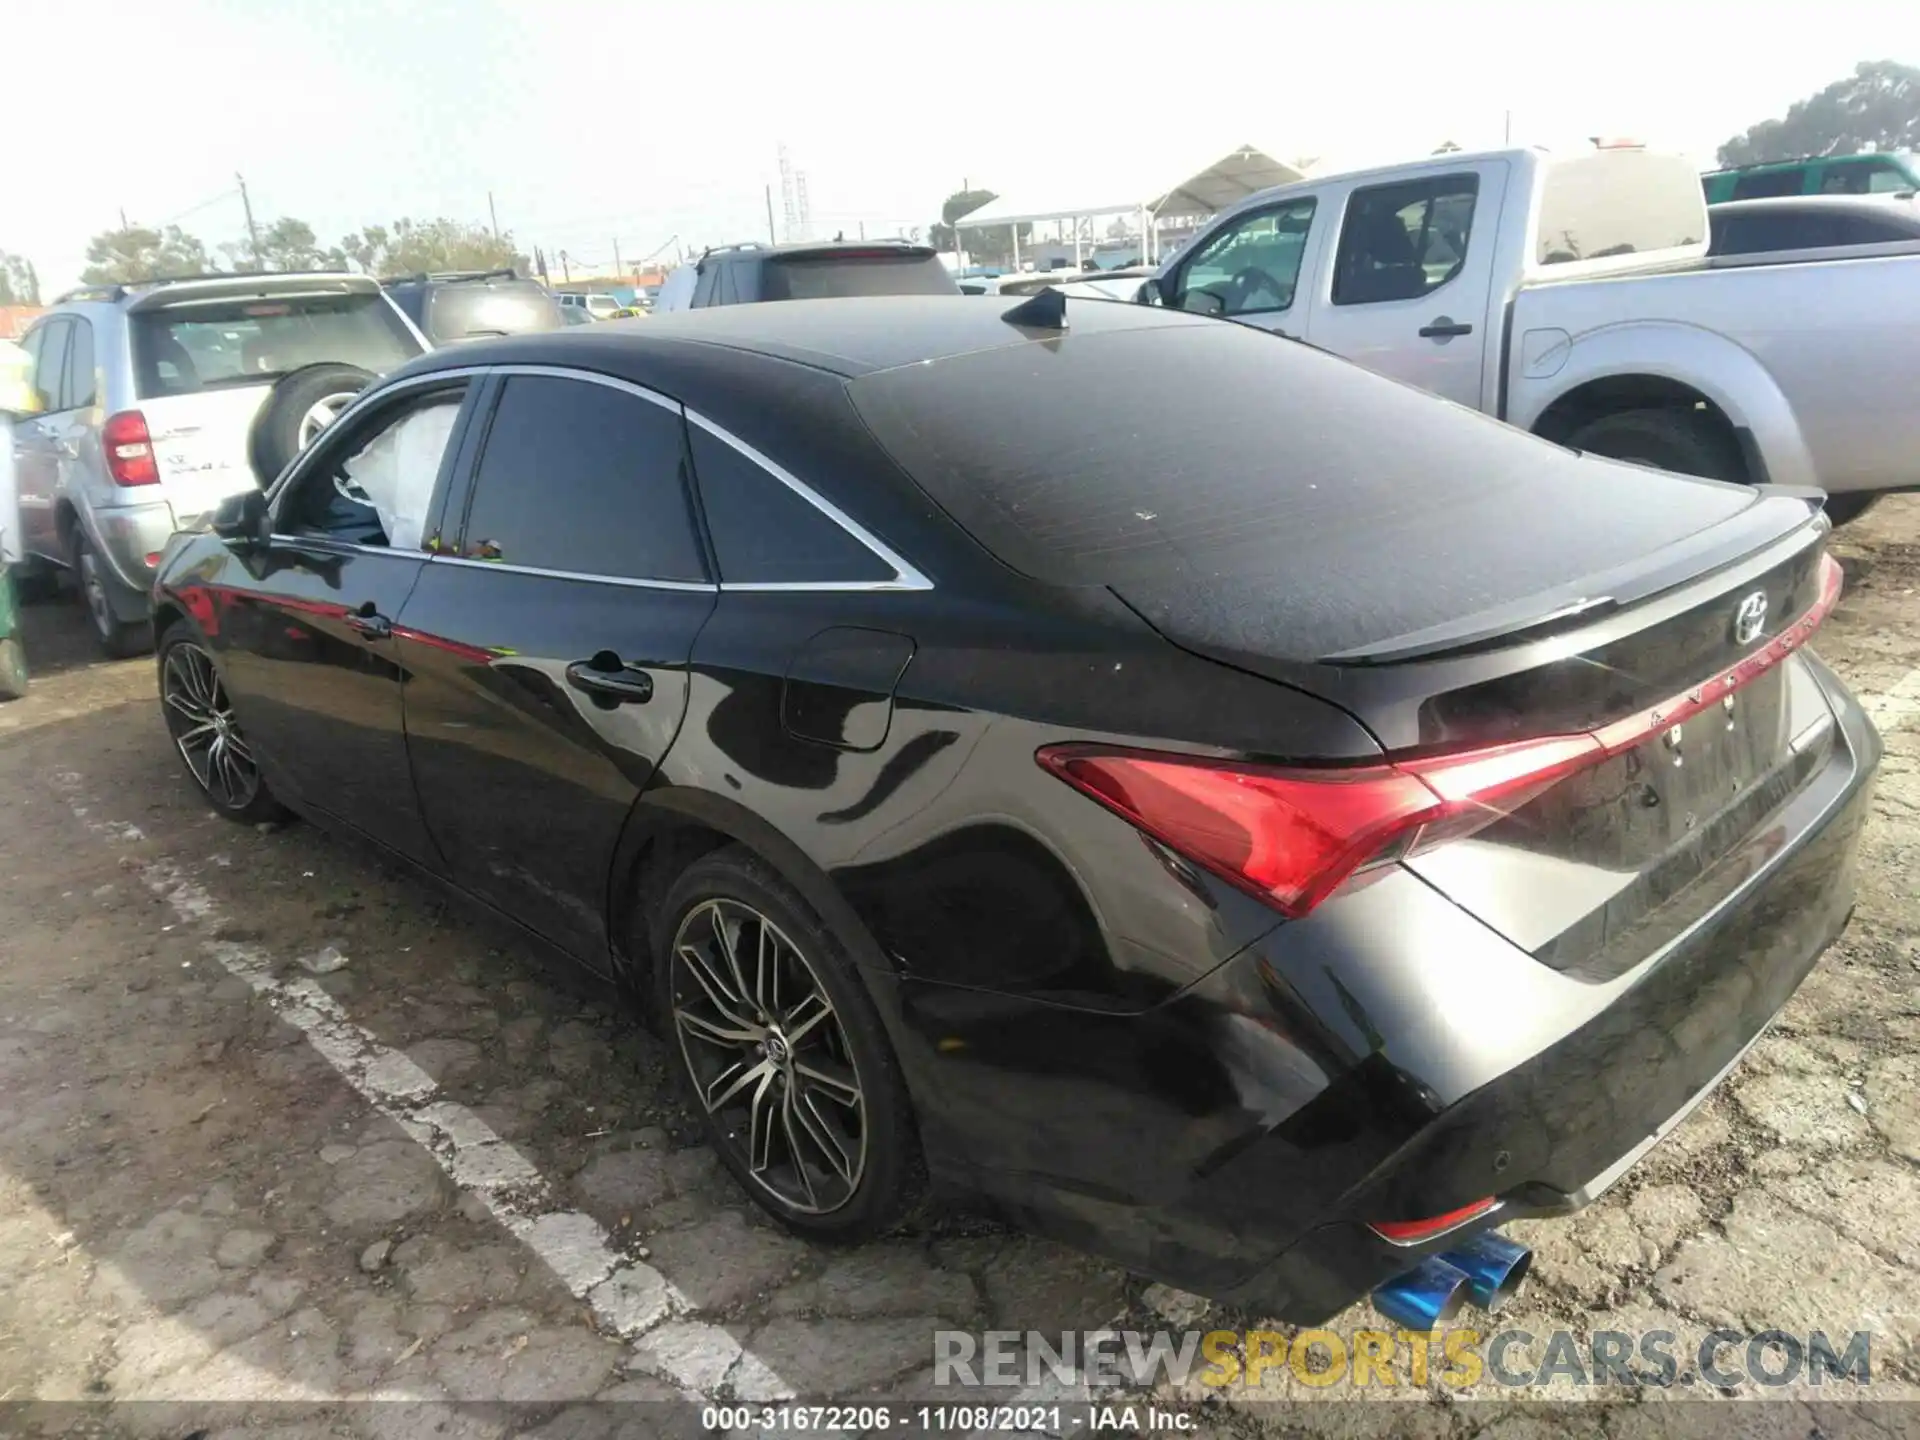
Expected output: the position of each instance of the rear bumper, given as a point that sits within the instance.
(1406, 1061)
(125, 536)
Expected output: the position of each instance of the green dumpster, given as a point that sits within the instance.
(13, 655)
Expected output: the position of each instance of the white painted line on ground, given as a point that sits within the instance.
(1898, 707)
(626, 1296)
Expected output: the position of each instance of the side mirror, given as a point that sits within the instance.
(1203, 302)
(243, 520)
(1149, 293)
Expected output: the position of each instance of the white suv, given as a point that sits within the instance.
(155, 401)
(600, 307)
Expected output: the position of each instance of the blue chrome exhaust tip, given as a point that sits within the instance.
(1494, 1267)
(1426, 1297)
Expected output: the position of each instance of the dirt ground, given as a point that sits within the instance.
(235, 1193)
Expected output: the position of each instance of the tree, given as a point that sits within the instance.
(136, 252)
(286, 244)
(1875, 108)
(19, 281)
(409, 247)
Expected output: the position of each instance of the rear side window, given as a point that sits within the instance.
(880, 272)
(477, 312)
(1400, 242)
(1769, 183)
(1757, 234)
(79, 365)
(192, 346)
(765, 533)
(1618, 202)
(583, 479)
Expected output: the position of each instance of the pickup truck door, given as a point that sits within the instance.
(1407, 287)
(1250, 266)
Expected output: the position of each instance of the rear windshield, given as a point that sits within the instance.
(475, 312)
(1226, 460)
(1618, 202)
(205, 345)
(825, 277)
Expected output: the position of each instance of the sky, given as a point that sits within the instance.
(654, 125)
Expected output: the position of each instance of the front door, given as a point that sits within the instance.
(548, 651)
(304, 628)
(1409, 292)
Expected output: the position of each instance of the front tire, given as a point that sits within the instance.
(773, 1033)
(118, 639)
(205, 734)
(1683, 441)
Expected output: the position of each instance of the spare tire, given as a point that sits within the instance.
(299, 407)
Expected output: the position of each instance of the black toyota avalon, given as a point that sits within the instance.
(1232, 812)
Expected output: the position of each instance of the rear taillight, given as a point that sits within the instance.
(129, 449)
(1292, 837)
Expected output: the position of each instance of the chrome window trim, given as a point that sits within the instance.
(698, 587)
(907, 577)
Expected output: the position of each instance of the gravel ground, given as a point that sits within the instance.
(447, 1174)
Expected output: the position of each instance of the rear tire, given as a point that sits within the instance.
(1847, 508)
(1683, 441)
(837, 1157)
(118, 639)
(297, 409)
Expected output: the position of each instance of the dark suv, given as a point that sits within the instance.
(742, 274)
(461, 305)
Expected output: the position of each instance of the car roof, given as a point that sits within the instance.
(848, 336)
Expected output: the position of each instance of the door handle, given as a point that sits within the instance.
(1445, 328)
(624, 685)
(370, 622)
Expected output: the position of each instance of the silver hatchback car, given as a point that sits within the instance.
(153, 406)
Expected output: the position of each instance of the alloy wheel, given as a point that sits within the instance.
(322, 413)
(200, 719)
(768, 1056)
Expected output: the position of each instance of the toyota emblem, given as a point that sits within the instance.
(1750, 619)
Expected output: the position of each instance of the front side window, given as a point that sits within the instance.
(50, 365)
(1252, 266)
(1403, 241)
(584, 479)
(374, 485)
(766, 533)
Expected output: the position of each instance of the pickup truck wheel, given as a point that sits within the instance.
(1683, 441)
(1845, 509)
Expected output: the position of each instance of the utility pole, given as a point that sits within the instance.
(494, 216)
(863, 229)
(1509, 130)
(618, 268)
(123, 217)
(253, 231)
(773, 236)
(566, 269)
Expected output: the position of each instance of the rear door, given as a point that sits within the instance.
(547, 651)
(37, 442)
(1409, 292)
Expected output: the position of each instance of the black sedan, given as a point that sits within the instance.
(1233, 812)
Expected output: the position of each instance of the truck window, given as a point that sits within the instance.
(1404, 240)
(1769, 183)
(1253, 264)
(1618, 202)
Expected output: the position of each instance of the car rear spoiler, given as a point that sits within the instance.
(249, 287)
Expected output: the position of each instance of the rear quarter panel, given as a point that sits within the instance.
(1814, 359)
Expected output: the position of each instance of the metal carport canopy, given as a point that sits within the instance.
(1225, 183)
(1020, 210)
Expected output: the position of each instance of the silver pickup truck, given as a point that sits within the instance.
(1572, 296)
